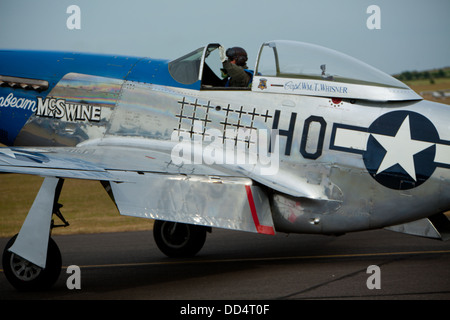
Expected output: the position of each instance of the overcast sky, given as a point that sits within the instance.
(414, 34)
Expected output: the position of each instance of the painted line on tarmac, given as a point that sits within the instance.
(332, 256)
(200, 261)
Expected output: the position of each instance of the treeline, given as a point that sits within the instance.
(424, 75)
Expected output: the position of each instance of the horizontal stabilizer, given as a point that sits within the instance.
(436, 227)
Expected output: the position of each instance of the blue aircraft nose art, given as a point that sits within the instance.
(17, 104)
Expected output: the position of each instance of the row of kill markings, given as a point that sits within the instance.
(226, 124)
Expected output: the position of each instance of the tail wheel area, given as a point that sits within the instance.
(179, 239)
(25, 276)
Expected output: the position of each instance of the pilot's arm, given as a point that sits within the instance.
(238, 77)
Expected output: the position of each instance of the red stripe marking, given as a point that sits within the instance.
(259, 228)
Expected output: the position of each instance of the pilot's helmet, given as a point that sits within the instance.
(238, 54)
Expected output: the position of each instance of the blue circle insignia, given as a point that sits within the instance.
(401, 149)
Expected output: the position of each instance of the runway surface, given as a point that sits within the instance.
(238, 265)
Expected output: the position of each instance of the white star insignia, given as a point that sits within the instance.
(401, 149)
(8, 152)
(7, 155)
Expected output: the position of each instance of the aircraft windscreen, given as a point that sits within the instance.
(290, 59)
(187, 68)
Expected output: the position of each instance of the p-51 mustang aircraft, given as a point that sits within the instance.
(319, 143)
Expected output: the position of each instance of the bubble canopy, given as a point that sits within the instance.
(292, 67)
(291, 59)
(307, 69)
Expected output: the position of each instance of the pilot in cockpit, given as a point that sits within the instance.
(235, 68)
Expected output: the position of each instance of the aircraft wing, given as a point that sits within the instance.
(142, 179)
(144, 182)
(49, 163)
(92, 162)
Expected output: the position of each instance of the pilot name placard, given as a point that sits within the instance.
(314, 86)
(71, 112)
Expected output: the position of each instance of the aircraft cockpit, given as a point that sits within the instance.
(202, 65)
(291, 67)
